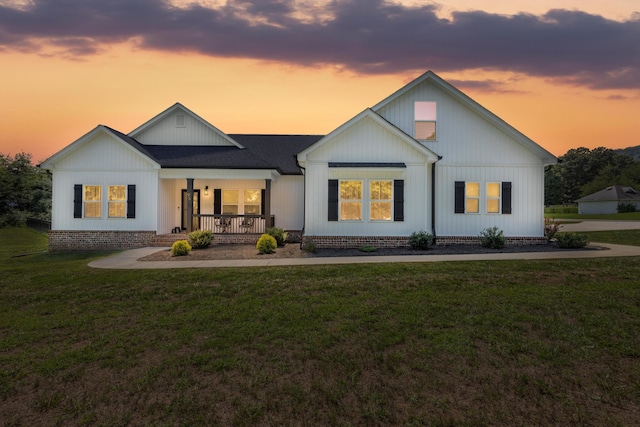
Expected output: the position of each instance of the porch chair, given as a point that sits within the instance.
(247, 224)
(223, 223)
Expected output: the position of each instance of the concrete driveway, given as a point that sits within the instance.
(601, 225)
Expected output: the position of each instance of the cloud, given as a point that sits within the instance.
(365, 36)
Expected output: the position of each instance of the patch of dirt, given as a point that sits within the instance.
(292, 250)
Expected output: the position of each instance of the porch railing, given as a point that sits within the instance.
(219, 223)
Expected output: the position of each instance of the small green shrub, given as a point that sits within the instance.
(626, 207)
(572, 240)
(266, 244)
(551, 227)
(420, 240)
(308, 246)
(200, 239)
(368, 249)
(278, 234)
(180, 248)
(492, 238)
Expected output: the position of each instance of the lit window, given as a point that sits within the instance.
(493, 197)
(252, 202)
(117, 200)
(425, 120)
(350, 200)
(230, 202)
(380, 200)
(472, 192)
(92, 201)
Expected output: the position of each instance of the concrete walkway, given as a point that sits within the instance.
(129, 259)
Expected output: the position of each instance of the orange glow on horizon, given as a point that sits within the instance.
(52, 101)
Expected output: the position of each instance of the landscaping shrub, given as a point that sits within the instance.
(551, 227)
(420, 240)
(368, 249)
(278, 234)
(492, 238)
(626, 207)
(200, 239)
(308, 246)
(266, 244)
(572, 240)
(180, 248)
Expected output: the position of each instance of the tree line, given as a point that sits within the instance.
(581, 172)
(25, 190)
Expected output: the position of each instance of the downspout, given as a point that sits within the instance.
(433, 199)
(304, 202)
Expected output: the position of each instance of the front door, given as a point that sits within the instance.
(196, 210)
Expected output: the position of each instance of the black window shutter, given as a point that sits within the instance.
(263, 193)
(506, 198)
(217, 201)
(398, 200)
(459, 195)
(131, 201)
(333, 200)
(77, 201)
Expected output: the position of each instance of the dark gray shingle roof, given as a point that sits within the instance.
(613, 193)
(261, 152)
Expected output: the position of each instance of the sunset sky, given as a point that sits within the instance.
(564, 73)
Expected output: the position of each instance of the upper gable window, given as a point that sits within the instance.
(180, 123)
(425, 120)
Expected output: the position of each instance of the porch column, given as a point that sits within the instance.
(189, 205)
(267, 203)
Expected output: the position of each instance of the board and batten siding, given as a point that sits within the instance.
(287, 201)
(527, 201)
(167, 132)
(63, 198)
(104, 160)
(366, 141)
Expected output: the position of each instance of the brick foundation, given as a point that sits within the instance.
(349, 242)
(66, 240)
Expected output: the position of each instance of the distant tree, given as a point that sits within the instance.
(25, 190)
(553, 189)
(580, 166)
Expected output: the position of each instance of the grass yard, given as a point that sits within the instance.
(627, 216)
(554, 342)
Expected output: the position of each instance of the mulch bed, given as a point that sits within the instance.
(292, 250)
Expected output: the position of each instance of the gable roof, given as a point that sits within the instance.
(175, 107)
(378, 119)
(128, 142)
(611, 194)
(481, 111)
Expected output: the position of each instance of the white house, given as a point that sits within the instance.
(607, 201)
(426, 158)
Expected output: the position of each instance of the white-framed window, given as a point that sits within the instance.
(493, 197)
(472, 197)
(350, 200)
(380, 200)
(425, 120)
(117, 201)
(252, 202)
(230, 202)
(92, 200)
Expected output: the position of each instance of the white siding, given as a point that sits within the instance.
(366, 141)
(526, 219)
(103, 152)
(462, 136)
(287, 202)
(146, 200)
(194, 132)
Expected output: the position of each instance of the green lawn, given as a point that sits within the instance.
(627, 216)
(553, 342)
